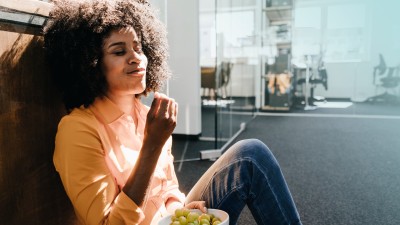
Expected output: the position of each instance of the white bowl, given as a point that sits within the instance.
(218, 213)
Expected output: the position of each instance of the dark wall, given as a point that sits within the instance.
(30, 108)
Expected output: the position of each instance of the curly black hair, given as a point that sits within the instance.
(73, 40)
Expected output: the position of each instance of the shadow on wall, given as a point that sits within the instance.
(30, 109)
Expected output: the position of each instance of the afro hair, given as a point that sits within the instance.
(73, 40)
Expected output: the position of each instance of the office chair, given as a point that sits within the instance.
(209, 79)
(314, 80)
(381, 68)
(390, 81)
(224, 78)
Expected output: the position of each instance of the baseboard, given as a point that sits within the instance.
(338, 99)
(190, 137)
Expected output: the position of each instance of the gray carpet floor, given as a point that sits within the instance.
(341, 170)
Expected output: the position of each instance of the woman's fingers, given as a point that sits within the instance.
(175, 110)
(159, 106)
(164, 106)
(161, 120)
(172, 109)
(155, 105)
(201, 205)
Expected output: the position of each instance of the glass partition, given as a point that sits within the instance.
(229, 61)
(348, 48)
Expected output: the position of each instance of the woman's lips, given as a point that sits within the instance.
(139, 71)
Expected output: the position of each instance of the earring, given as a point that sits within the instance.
(94, 63)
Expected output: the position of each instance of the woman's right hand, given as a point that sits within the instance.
(161, 120)
(201, 205)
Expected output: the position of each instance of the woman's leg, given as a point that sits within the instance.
(249, 174)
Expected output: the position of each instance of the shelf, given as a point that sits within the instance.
(277, 31)
(279, 13)
(284, 44)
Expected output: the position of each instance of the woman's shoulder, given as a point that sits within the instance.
(78, 117)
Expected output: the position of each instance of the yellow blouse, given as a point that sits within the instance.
(95, 151)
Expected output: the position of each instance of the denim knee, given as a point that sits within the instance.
(255, 151)
(252, 148)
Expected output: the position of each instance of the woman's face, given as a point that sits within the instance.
(124, 63)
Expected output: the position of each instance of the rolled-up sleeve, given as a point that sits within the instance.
(93, 191)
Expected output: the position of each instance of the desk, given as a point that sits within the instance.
(208, 81)
(208, 77)
(214, 78)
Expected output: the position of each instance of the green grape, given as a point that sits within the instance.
(182, 220)
(178, 213)
(215, 219)
(204, 216)
(204, 222)
(192, 216)
(186, 212)
(184, 216)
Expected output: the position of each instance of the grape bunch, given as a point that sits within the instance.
(186, 217)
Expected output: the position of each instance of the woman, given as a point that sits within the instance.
(112, 152)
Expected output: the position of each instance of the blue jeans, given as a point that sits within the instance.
(247, 174)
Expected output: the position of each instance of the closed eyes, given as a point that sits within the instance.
(121, 52)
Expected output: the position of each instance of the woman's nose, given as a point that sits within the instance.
(134, 57)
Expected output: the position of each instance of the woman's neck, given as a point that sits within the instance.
(124, 102)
